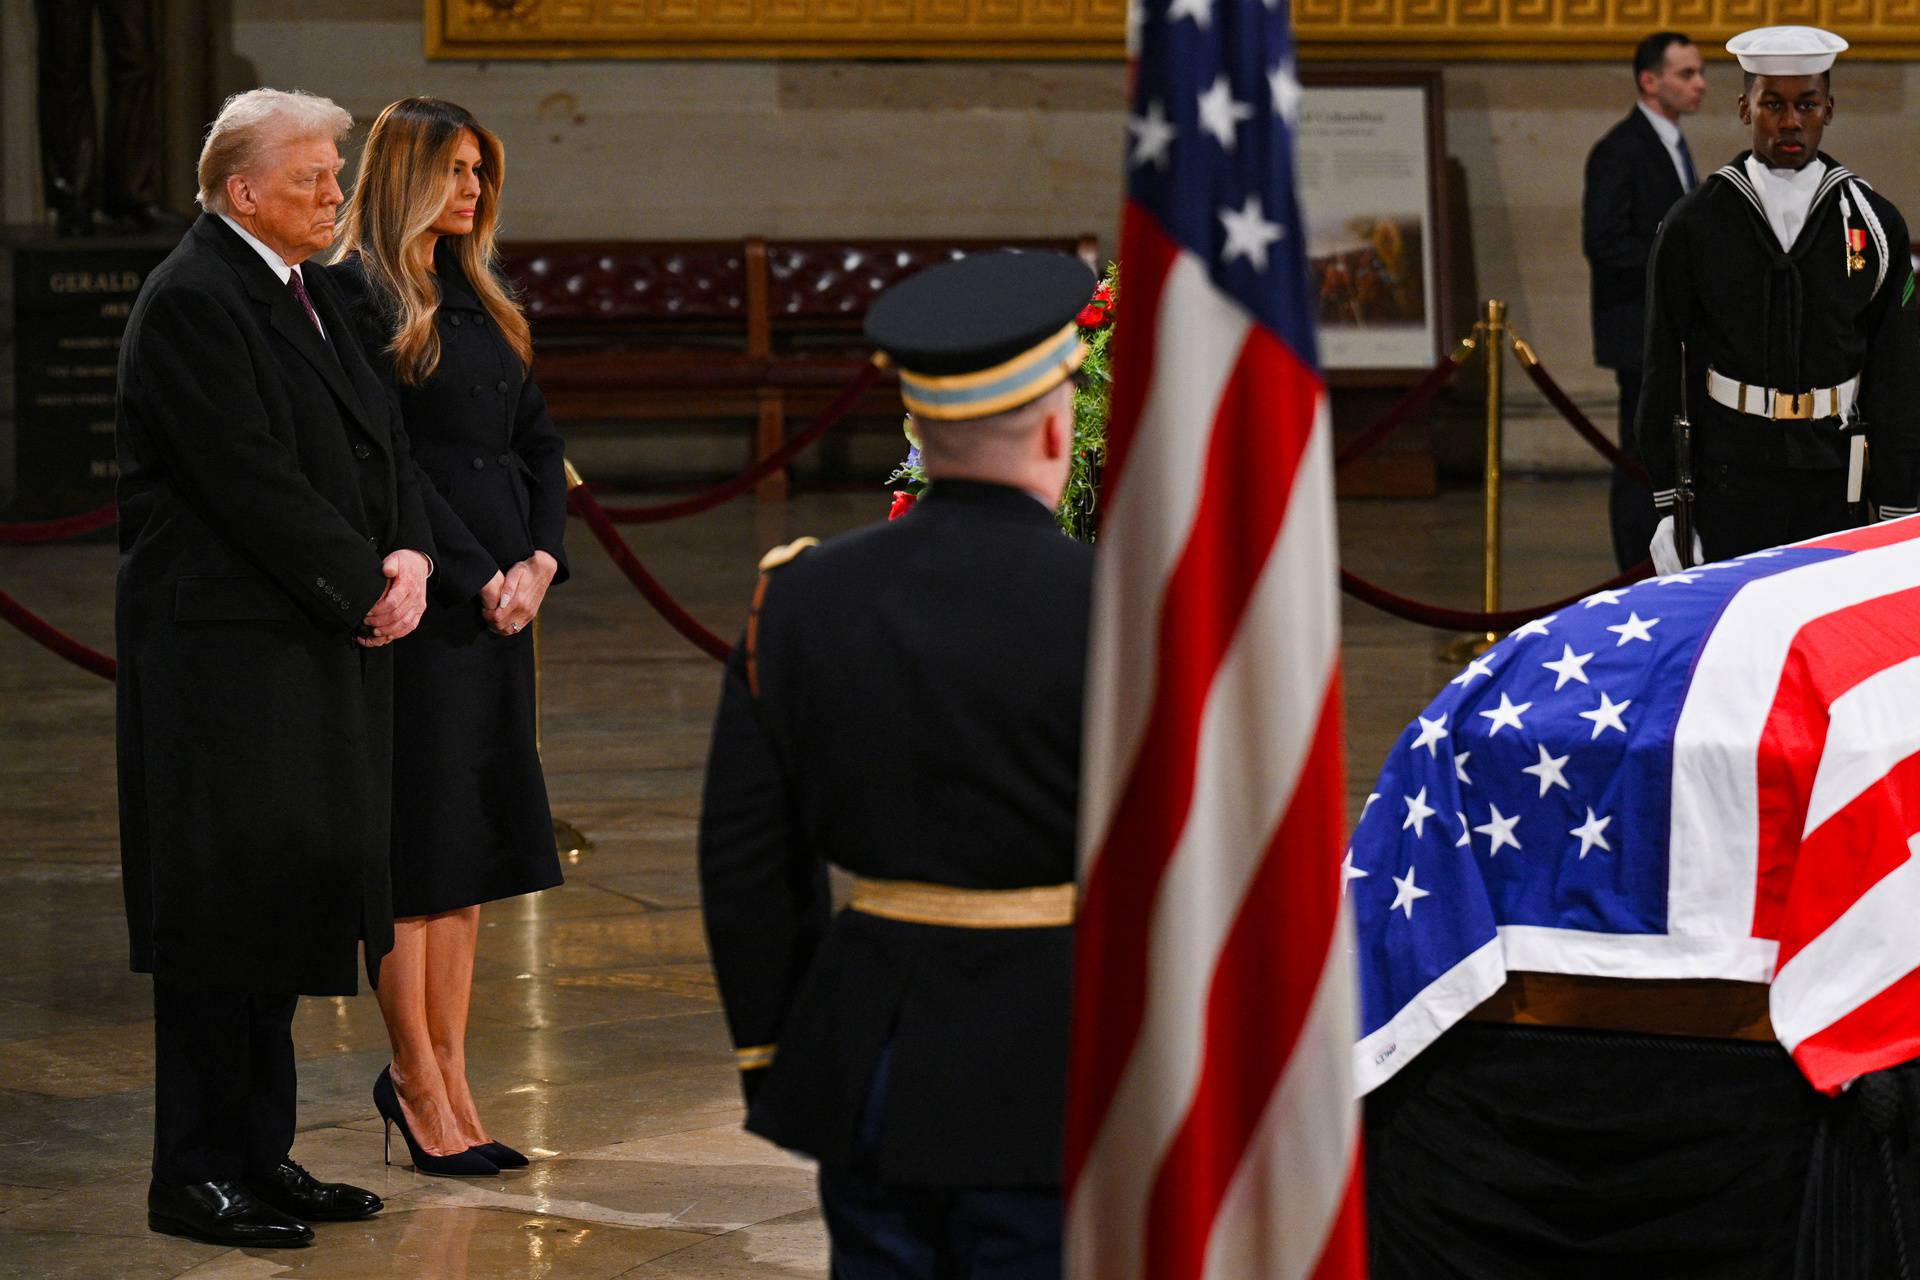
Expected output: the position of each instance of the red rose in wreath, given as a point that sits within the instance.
(1098, 311)
(902, 502)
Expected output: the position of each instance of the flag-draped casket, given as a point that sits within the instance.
(1709, 775)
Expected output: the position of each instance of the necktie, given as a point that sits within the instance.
(300, 291)
(1686, 162)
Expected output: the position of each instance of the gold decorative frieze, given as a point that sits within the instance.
(1421, 30)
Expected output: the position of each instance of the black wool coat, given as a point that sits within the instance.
(917, 718)
(1630, 185)
(264, 476)
(471, 822)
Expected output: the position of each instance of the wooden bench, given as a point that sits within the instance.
(638, 330)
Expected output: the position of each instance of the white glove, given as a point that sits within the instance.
(1666, 555)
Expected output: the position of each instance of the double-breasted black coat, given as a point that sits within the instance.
(470, 817)
(264, 476)
(912, 713)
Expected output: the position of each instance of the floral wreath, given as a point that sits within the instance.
(1076, 512)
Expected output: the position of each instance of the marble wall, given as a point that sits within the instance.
(717, 149)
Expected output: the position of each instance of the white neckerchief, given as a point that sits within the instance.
(279, 265)
(1669, 134)
(1786, 195)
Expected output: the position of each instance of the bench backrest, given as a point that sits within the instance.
(577, 286)
(589, 288)
(830, 284)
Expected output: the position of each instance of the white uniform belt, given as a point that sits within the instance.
(1765, 402)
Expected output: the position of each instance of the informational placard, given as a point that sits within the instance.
(71, 302)
(1368, 160)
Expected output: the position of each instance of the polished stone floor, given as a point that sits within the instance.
(597, 1043)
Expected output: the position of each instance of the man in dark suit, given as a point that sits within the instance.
(906, 705)
(1634, 175)
(272, 542)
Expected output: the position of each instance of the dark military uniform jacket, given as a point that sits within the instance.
(906, 705)
(1720, 283)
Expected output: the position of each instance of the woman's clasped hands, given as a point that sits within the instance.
(510, 600)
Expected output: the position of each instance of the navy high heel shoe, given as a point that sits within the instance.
(459, 1164)
(501, 1154)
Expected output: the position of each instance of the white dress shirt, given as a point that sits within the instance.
(281, 267)
(1787, 196)
(1670, 138)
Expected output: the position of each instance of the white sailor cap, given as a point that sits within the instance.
(1786, 51)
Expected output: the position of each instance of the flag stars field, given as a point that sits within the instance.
(1538, 627)
(1550, 770)
(1349, 873)
(1221, 114)
(1569, 666)
(1249, 234)
(1153, 135)
(1478, 667)
(1406, 893)
(1634, 628)
(1418, 811)
(1507, 714)
(1606, 715)
(1499, 830)
(1592, 832)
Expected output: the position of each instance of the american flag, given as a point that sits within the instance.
(1211, 1124)
(1710, 775)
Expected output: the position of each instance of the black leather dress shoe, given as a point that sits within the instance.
(291, 1189)
(222, 1213)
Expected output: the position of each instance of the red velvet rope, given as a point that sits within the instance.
(56, 530)
(588, 508)
(1413, 402)
(776, 461)
(38, 630)
(1580, 422)
(1464, 620)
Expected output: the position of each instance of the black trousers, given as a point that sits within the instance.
(130, 174)
(1630, 512)
(881, 1232)
(224, 1085)
(1740, 509)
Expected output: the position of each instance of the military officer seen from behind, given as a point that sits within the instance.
(906, 704)
(1781, 291)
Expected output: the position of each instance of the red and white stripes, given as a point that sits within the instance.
(1212, 1130)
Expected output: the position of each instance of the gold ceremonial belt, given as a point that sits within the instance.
(1043, 906)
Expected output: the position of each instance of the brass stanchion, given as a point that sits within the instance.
(568, 839)
(1492, 331)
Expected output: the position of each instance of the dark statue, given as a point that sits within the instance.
(122, 177)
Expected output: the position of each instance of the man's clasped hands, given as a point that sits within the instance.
(508, 602)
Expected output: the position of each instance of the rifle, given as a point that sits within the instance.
(1683, 473)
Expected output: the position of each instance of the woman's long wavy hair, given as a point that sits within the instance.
(406, 171)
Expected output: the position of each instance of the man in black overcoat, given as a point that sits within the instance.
(1634, 175)
(272, 543)
(906, 705)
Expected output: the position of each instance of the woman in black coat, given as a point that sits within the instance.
(470, 817)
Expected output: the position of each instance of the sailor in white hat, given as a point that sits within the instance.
(1780, 322)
